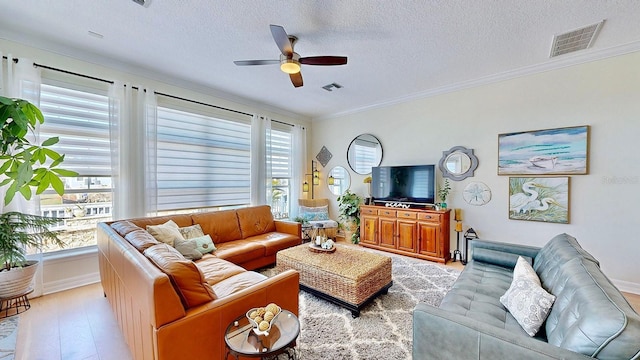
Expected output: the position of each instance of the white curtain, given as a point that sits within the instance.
(299, 140)
(22, 81)
(130, 111)
(260, 152)
(149, 105)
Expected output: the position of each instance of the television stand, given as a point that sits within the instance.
(419, 233)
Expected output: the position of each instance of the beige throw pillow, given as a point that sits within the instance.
(526, 300)
(165, 233)
(188, 249)
(190, 232)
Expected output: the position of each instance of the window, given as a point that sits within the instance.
(202, 161)
(365, 156)
(281, 162)
(80, 118)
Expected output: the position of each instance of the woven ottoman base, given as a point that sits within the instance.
(348, 277)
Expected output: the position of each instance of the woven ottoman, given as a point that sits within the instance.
(348, 277)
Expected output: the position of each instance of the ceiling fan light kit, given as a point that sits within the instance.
(290, 61)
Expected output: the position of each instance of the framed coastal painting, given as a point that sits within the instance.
(539, 199)
(562, 151)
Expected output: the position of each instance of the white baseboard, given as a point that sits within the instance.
(70, 283)
(627, 286)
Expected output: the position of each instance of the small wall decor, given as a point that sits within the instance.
(324, 156)
(476, 193)
(539, 199)
(561, 151)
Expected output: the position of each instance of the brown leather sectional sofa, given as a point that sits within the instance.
(172, 308)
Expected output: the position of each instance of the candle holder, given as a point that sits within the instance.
(458, 218)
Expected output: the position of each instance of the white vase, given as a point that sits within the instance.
(17, 281)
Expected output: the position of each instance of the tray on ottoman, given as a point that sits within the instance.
(348, 277)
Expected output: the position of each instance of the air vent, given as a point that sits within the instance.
(144, 3)
(332, 86)
(575, 40)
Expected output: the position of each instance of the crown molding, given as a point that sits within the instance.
(567, 60)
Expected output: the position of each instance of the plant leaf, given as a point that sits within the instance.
(26, 191)
(56, 183)
(44, 183)
(65, 173)
(51, 141)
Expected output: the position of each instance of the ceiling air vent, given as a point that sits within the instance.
(330, 87)
(144, 3)
(575, 40)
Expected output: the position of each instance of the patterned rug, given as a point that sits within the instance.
(8, 337)
(384, 328)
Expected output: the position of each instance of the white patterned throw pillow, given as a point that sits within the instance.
(526, 300)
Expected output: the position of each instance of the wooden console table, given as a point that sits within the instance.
(419, 233)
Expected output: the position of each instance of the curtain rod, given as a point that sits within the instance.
(15, 60)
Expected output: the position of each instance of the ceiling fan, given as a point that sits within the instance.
(290, 61)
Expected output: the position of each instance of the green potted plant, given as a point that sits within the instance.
(349, 206)
(443, 192)
(25, 167)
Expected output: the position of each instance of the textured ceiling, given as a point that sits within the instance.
(397, 49)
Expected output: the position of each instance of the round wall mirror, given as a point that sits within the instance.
(458, 163)
(365, 152)
(338, 180)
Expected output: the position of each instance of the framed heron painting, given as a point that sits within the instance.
(562, 151)
(539, 199)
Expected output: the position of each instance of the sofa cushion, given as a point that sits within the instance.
(222, 226)
(190, 232)
(188, 249)
(255, 220)
(141, 239)
(557, 252)
(185, 276)
(216, 270)
(237, 282)
(275, 241)
(166, 233)
(526, 300)
(476, 294)
(590, 315)
(204, 244)
(240, 251)
(123, 227)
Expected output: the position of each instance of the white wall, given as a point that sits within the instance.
(604, 94)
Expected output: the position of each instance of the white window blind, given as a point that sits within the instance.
(201, 161)
(81, 120)
(281, 157)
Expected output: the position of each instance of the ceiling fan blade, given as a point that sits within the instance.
(296, 79)
(324, 60)
(282, 40)
(256, 62)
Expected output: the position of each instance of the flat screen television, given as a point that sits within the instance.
(405, 184)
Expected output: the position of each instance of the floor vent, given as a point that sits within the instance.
(575, 40)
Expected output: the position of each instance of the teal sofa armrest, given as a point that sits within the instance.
(501, 254)
(440, 334)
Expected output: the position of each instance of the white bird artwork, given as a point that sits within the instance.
(539, 205)
(520, 200)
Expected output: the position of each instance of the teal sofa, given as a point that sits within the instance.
(589, 319)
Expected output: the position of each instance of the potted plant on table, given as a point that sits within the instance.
(24, 167)
(349, 206)
(443, 192)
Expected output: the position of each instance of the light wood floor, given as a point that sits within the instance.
(78, 324)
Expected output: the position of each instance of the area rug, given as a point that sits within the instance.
(8, 337)
(384, 328)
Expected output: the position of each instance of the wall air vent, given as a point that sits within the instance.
(575, 40)
(144, 3)
(332, 86)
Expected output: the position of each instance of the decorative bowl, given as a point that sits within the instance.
(255, 324)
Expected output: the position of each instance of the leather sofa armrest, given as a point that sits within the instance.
(178, 340)
(440, 334)
(501, 254)
(289, 227)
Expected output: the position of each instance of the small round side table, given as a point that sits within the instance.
(242, 341)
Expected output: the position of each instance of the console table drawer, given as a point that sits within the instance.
(407, 214)
(368, 211)
(429, 217)
(386, 212)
